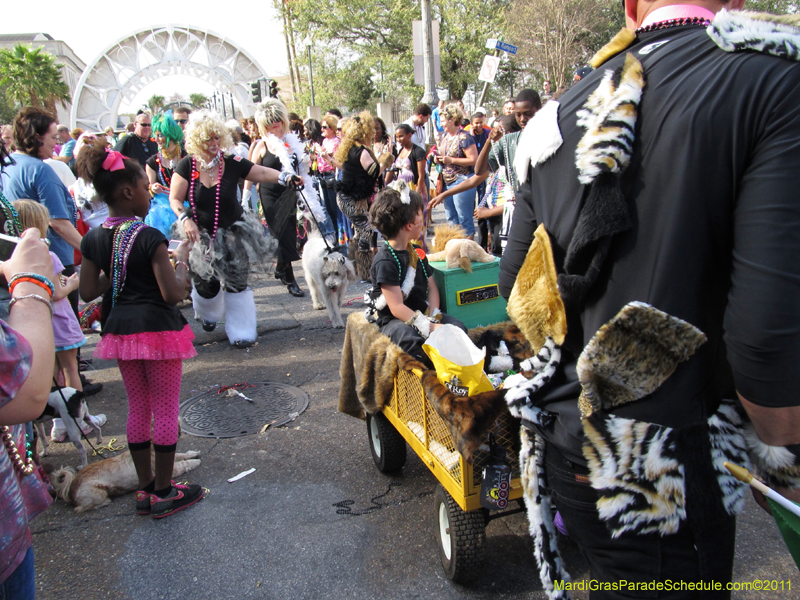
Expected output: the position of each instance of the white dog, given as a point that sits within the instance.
(94, 485)
(68, 403)
(327, 274)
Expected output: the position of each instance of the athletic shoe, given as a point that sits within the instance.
(58, 434)
(209, 325)
(181, 496)
(143, 502)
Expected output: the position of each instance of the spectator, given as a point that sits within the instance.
(139, 146)
(422, 113)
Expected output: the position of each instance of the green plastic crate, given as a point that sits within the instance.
(472, 298)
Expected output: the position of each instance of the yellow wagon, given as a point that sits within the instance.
(460, 520)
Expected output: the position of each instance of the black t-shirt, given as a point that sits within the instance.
(417, 154)
(230, 210)
(716, 219)
(152, 162)
(385, 271)
(132, 146)
(140, 306)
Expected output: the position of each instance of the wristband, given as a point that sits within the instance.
(285, 178)
(180, 262)
(183, 217)
(16, 299)
(40, 280)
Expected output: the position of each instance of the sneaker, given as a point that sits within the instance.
(90, 389)
(181, 496)
(98, 420)
(209, 325)
(58, 434)
(143, 502)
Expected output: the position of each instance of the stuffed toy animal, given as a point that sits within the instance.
(461, 253)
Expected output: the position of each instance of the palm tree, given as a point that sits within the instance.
(199, 100)
(31, 77)
(155, 103)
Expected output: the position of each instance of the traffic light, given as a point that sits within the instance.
(255, 89)
(273, 88)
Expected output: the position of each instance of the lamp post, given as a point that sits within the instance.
(310, 74)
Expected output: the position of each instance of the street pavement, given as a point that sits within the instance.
(316, 519)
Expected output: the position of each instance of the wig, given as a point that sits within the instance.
(271, 111)
(358, 130)
(33, 214)
(202, 125)
(164, 124)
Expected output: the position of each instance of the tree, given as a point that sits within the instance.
(155, 103)
(7, 110)
(198, 100)
(31, 77)
(557, 36)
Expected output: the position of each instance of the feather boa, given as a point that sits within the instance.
(278, 147)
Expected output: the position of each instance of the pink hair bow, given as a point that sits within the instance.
(113, 161)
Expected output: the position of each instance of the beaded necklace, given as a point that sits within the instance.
(163, 176)
(12, 225)
(216, 204)
(680, 22)
(125, 231)
(399, 264)
(23, 466)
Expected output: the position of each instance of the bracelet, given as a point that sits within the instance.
(180, 262)
(16, 299)
(35, 278)
(183, 217)
(13, 285)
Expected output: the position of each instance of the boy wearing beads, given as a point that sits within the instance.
(404, 296)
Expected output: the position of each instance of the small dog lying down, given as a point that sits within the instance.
(94, 485)
(460, 253)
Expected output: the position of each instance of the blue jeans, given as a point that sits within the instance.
(326, 227)
(21, 584)
(459, 209)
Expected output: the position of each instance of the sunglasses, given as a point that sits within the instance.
(181, 121)
(146, 124)
(325, 127)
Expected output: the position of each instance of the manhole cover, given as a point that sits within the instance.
(227, 414)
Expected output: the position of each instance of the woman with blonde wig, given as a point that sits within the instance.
(227, 242)
(281, 149)
(356, 190)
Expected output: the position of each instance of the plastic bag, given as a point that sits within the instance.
(458, 362)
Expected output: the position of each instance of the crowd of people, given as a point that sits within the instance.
(639, 209)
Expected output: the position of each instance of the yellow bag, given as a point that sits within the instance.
(458, 362)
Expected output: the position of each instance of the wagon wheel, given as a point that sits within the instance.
(461, 536)
(387, 446)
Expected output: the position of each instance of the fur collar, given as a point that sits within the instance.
(282, 148)
(762, 32)
(538, 141)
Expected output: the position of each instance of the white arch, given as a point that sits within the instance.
(136, 60)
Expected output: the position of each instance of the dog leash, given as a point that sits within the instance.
(314, 219)
(95, 451)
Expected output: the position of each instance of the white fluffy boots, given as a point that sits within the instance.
(238, 309)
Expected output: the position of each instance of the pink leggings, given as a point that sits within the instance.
(154, 393)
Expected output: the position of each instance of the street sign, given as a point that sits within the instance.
(506, 47)
(491, 43)
(489, 68)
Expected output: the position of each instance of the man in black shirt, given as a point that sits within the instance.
(139, 145)
(710, 236)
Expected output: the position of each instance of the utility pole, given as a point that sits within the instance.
(310, 75)
(427, 51)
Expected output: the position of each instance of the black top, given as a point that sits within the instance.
(205, 198)
(480, 138)
(270, 192)
(712, 187)
(385, 271)
(356, 182)
(417, 154)
(132, 146)
(140, 306)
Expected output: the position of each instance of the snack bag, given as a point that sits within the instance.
(458, 362)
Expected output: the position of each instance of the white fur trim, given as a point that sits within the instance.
(738, 30)
(402, 187)
(277, 147)
(545, 366)
(208, 309)
(240, 316)
(540, 140)
(421, 323)
(500, 364)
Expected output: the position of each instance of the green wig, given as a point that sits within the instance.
(166, 125)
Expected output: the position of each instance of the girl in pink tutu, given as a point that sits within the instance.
(128, 262)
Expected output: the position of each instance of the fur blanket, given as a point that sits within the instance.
(370, 363)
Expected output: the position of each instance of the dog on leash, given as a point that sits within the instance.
(327, 273)
(69, 404)
(94, 486)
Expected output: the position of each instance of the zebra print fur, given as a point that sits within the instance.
(775, 464)
(638, 470)
(539, 506)
(778, 36)
(519, 389)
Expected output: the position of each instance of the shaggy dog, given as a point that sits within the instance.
(327, 274)
(94, 486)
(71, 408)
